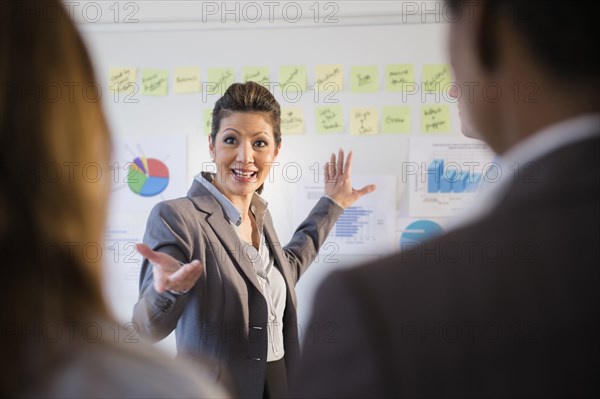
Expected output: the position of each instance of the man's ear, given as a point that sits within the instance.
(485, 23)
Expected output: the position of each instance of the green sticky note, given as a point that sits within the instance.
(329, 77)
(292, 78)
(154, 82)
(364, 79)
(329, 119)
(437, 78)
(256, 74)
(186, 80)
(396, 119)
(398, 76)
(122, 79)
(292, 120)
(435, 119)
(219, 79)
(207, 121)
(364, 121)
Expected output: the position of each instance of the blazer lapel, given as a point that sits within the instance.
(206, 202)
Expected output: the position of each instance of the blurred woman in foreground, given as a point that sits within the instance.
(56, 334)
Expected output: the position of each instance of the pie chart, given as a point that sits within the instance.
(419, 231)
(147, 176)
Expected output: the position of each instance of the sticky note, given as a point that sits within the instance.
(292, 120)
(186, 80)
(256, 74)
(154, 82)
(207, 121)
(292, 78)
(437, 78)
(364, 121)
(329, 77)
(364, 79)
(435, 118)
(122, 79)
(329, 119)
(397, 76)
(219, 79)
(395, 119)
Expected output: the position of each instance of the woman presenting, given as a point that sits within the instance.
(214, 267)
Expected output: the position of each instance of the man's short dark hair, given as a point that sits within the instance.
(561, 35)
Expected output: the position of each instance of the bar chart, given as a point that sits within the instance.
(445, 175)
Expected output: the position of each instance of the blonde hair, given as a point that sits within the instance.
(54, 149)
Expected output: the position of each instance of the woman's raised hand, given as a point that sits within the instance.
(338, 184)
(169, 274)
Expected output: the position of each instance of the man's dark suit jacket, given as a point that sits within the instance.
(503, 307)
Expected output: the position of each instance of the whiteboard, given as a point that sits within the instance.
(373, 38)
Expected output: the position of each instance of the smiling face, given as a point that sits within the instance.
(244, 150)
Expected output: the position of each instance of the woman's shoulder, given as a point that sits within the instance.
(179, 207)
(106, 369)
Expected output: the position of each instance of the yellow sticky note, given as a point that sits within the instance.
(364, 121)
(364, 79)
(122, 79)
(435, 118)
(186, 80)
(154, 82)
(397, 76)
(329, 77)
(219, 79)
(207, 121)
(256, 74)
(437, 78)
(329, 119)
(292, 121)
(396, 119)
(292, 78)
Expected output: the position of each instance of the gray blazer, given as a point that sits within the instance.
(223, 318)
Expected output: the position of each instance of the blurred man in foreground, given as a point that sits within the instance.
(506, 305)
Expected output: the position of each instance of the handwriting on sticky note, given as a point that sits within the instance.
(364, 79)
(329, 77)
(435, 119)
(154, 82)
(399, 76)
(186, 80)
(329, 119)
(122, 79)
(292, 121)
(219, 79)
(364, 121)
(256, 74)
(207, 121)
(436, 78)
(396, 119)
(292, 78)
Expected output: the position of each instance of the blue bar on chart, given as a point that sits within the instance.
(448, 179)
(460, 184)
(352, 221)
(472, 183)
(434, 175)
